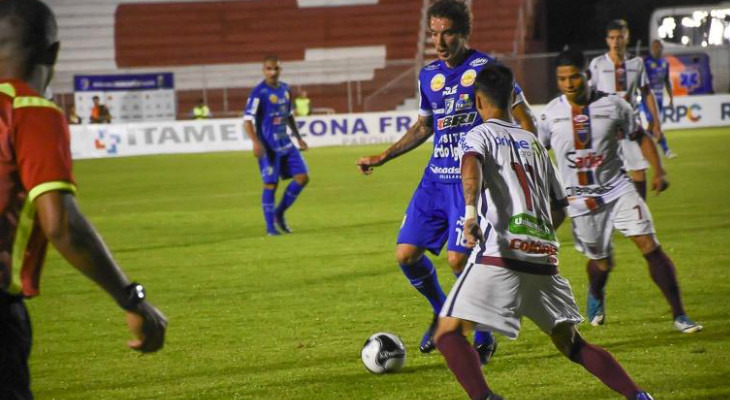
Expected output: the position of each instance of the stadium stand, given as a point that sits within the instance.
(352, 55)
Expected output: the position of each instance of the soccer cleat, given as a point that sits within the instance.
(272, 232)
(643, 396)
(427, 344)
(494, 396)
(281, 222)
(670, 154)
(595, 311)
(486, 351)
(686, 325)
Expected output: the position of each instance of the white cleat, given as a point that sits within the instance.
(686, 325)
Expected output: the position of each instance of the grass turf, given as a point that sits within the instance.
(255, 317)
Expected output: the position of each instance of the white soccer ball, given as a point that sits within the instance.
(383, 352)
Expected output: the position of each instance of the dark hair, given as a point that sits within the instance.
(571, 58)
(36, 24)
(271, 57)
(496, 82)
(456, 11)
(617, 25)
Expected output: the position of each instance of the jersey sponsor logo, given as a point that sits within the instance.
(526, 224)
(464, 102)
(580, 118)
(273, 99)
(468, 77)
(431, 67)
(591, 160)
(447, 146)
(517, 144)
(450, 90)
(578, 191)
(478, 62)
(456, 120)
(533, 247)
(437, 82)
(444, 170)
(286, 94)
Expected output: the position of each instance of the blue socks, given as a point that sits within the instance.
(267, 201)
(422, 276)
(290, 195)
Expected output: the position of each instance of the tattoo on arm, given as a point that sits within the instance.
(471, 178)
(293, 126)
(418, 133)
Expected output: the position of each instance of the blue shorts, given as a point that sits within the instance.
(435, 215)
(274, 166)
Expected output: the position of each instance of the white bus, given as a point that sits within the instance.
(697, 29)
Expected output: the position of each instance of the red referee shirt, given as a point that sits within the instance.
(35, 157)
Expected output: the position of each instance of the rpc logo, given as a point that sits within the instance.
(678, 113)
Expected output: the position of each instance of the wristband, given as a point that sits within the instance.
(471, 212)
(135, 294)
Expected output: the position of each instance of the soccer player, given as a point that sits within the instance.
(268, 113)
(657, 70)
(615, 72)
(37, 202)
(514, 201)
(584, 128)
(447, 111)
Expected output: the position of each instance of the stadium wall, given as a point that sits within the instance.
(202, 136)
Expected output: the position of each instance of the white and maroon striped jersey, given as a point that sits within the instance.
(623, 79)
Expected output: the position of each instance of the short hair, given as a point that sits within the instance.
(571, 58)
(496, 82)
(95, 98)
(36, 23)
(617, 25)
(455, 10)
(271, 57)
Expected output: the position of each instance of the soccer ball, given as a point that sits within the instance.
(383, 352)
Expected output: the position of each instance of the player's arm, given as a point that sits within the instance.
(258, 148)
(523, 114)
(648, 149)
(418, 133)
(292, 123)
(77, 241)
(471, 182)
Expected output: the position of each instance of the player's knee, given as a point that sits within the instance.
(567, 340)
(302, 179)
(270, 186)
(646, 243)
(407, 255)
(457, 261)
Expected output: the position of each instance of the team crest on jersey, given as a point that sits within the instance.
(620, 71)
(468, 77)
(653, 65)
(478, 62)
(464, 102)
(273, 99)
(449, 105)
(437, 82)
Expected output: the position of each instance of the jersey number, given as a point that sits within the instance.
(522, 176)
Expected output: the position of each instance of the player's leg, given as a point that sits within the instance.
(595, 360)
(269, 167)
(293, 165)
(592, 237)
(461, 358)
(633, 219)
(458, 255)
(15, 345)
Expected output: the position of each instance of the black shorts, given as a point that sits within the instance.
(15, 342)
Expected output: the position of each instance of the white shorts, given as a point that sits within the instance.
(496, 299)
(628, 214)
(632, 156)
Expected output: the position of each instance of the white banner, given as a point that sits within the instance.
(201, 136)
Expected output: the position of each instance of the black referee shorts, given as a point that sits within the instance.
(15, 342)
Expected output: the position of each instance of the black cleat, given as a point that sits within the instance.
(486, 351)
(427, 344)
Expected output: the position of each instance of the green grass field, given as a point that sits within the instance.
(254, 317)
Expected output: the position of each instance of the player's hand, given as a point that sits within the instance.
(148, 325)
(258, 149)
(656, 131)
(303, 146)
(659, 183)
(366, 164)
(472, 233)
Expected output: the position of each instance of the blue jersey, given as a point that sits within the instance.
(657, 71)
(447, 94)
(269, 109)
